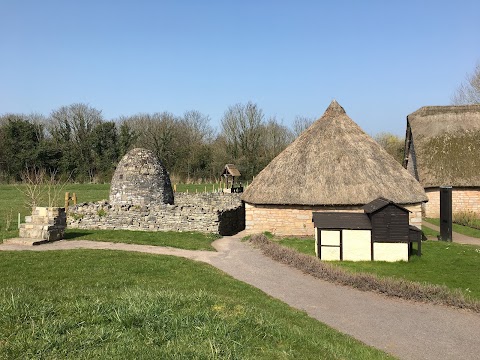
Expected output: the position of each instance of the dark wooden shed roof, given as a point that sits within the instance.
(341, 220)
(380, 203)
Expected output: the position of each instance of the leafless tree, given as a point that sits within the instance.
(300, 124)
(242, 129)
(275, 138)
(393, 144)
(469, 91)
(40, 187)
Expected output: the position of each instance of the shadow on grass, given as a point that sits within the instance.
(69, 235)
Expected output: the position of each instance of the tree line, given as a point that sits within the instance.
(76, 142)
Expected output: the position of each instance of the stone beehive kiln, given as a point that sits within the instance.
(140, 180)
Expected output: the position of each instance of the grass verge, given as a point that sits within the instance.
(430, 233)
(181, 240)
(390, 286)
(83, 304)
(465, 230)
(450, 264)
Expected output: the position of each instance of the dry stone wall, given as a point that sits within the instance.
(45, 223)
(217, 213)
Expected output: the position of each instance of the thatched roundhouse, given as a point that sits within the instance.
(332, 166)
(442, 148)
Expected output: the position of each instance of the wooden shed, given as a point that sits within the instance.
(381, 233)
(342, 236)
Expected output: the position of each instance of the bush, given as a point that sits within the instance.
(399, 288)
(467, 218)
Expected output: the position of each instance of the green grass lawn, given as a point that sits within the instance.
(430, 233)
(453, 265)
(182, 240)
(81, 304)
(465, 230)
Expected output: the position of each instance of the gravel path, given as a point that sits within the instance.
(404, 329)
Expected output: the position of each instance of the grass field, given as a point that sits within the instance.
(181, 240)
(453, 265)
(81, 304)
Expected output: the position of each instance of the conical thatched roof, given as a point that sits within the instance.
(333, 162)
(443, 144)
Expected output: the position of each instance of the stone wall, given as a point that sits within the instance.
(217, 213)
(45, 223)
(297, 220)
(463, 199)
(140, 179)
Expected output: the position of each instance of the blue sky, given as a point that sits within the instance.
(381, 60)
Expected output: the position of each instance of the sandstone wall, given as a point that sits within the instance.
(297, 220)
(285, 219)
(463, 199)
(218, 213)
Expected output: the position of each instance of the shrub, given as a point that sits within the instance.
(467, 218)
(399, 288)
(101, 212)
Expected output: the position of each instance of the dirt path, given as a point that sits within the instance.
(458, 238)
(405, 329)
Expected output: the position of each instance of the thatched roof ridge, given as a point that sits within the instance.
(446, 144)
(333, 162)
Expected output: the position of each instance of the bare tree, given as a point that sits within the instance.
(72, 127)
(300, 124)
(469, 91)
(157, 132)
(393, 144)
(195, 156)
(275, 138)
(242, 129)
(40, 187)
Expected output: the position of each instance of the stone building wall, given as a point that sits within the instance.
(140, 179)
(463, 199)
(217, 213)
(297, 220)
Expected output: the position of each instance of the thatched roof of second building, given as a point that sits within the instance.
(333, 162)
(446, 144)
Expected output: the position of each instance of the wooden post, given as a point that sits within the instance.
(74, 198)
(213, 187)
(174, 187)
(67, 198)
